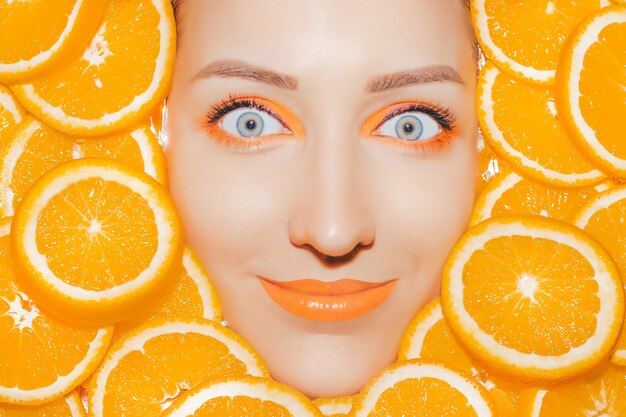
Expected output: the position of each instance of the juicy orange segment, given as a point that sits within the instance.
(68, 406)
(118, 80)
(604, 217)
(534, 298)
(243, 396)
(40, 359)
(36, 149)
(56, 31)
(122, 239)
(511, 194)
(602, 394)
(422, 388)
(429, 337)
(516, 119)
(488, 167)
(524, 38)
(591, 87)
(11, 115)
(150, 367)
(334, 407)
(193, 296)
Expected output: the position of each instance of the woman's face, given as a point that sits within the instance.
(323, 141)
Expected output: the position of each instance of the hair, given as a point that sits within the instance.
(177, 7)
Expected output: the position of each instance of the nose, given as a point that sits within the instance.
(333, 217)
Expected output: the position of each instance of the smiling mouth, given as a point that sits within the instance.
(315, 300)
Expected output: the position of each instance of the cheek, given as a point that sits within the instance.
(429, 206)
(228, 206)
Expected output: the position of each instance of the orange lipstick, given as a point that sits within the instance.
(328, 301)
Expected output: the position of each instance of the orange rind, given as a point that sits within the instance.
(144, 372)
(122, 238)
(536, 299)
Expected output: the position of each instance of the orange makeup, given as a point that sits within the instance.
(443, 117)
(328, 301)
(291, 126)
(212, 121)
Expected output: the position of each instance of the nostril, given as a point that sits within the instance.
(337, 260)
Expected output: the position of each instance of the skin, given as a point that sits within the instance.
(333, 201)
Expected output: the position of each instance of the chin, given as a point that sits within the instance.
(329, 365)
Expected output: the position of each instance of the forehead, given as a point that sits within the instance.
(313, 36)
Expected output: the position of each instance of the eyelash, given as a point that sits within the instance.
(444, 117)
(234, 102)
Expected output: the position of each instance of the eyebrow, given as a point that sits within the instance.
(239, 69)
(424, 75)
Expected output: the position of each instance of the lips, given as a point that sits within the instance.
(328, 301)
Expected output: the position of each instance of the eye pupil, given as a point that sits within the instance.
(409, 127)
(250, 124)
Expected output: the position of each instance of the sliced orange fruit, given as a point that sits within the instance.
(590, 87)
(243, 396)
(146, 370)
(525, 38)
(429, 337)
(68, 406)
(534, 298)
(11, 115)
(422, 388)
(511, 194)
(36, 148)
(488, 166)
(520, 123)
(334, 407)
(121, 240)
(193, 296)
(602, 394)
(41, 359)
(36, 36)
(119, 79)
(604, 217)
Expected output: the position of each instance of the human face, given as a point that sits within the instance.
(326, 189)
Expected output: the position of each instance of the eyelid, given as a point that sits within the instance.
(444, 117)
(276, 110)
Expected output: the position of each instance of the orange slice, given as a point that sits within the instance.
(146, 370)
(488, 166)
(11, 115)
(36, 36)
(591, 87)
(36, 148)
(334, 407)
(422, 388)
(40, 359)
(69, 406)
(525, 38)
(601, 394)
(193, 296)
(118, 80)
(429, 337)
(534, 298)
(516, 119)
(121, 238)
(511, 194)
(243, 396)
(604, 217)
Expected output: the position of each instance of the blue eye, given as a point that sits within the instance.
(251, 123)
(410, 126)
